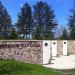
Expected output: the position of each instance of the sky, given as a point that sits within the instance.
(61, 8)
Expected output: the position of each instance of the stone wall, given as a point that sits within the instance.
(60, 47)
(24, 51)
(30, 51)
(71, 47)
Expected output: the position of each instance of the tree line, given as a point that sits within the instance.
(39, 23)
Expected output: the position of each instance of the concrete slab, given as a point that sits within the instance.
(62, 62)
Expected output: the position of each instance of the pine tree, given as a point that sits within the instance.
(5, 23)
(24, 23)
(44, 19)
(1, 13)
(71, 23)
(37, 35)
(38, 16)
(64, 35)
(13, 34)
(49, 23)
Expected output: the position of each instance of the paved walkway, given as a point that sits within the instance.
(62, 62)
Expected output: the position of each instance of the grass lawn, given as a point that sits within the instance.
(17, 68)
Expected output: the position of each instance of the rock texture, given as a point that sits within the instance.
(26, 51)
(30, 51)
(71, 47)
(60, 47)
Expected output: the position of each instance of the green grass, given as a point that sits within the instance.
(10, 67)
(17, 68)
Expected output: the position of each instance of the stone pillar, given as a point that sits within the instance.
(54, 48)
(46, 51)
(65, 47)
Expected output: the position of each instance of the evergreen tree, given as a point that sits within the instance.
(38, 14)
(49, 23)
(64, 35)
(44, 19)
(37, 35)
(24, 23)
(13, 34)
(71, 23)
(72, 33)
(1, 13)
(5, 23)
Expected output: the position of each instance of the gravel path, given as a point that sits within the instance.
(62, 62)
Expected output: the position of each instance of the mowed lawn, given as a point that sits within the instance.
(8, 67)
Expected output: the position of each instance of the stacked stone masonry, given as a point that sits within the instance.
(24, 51)
(30, 51)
